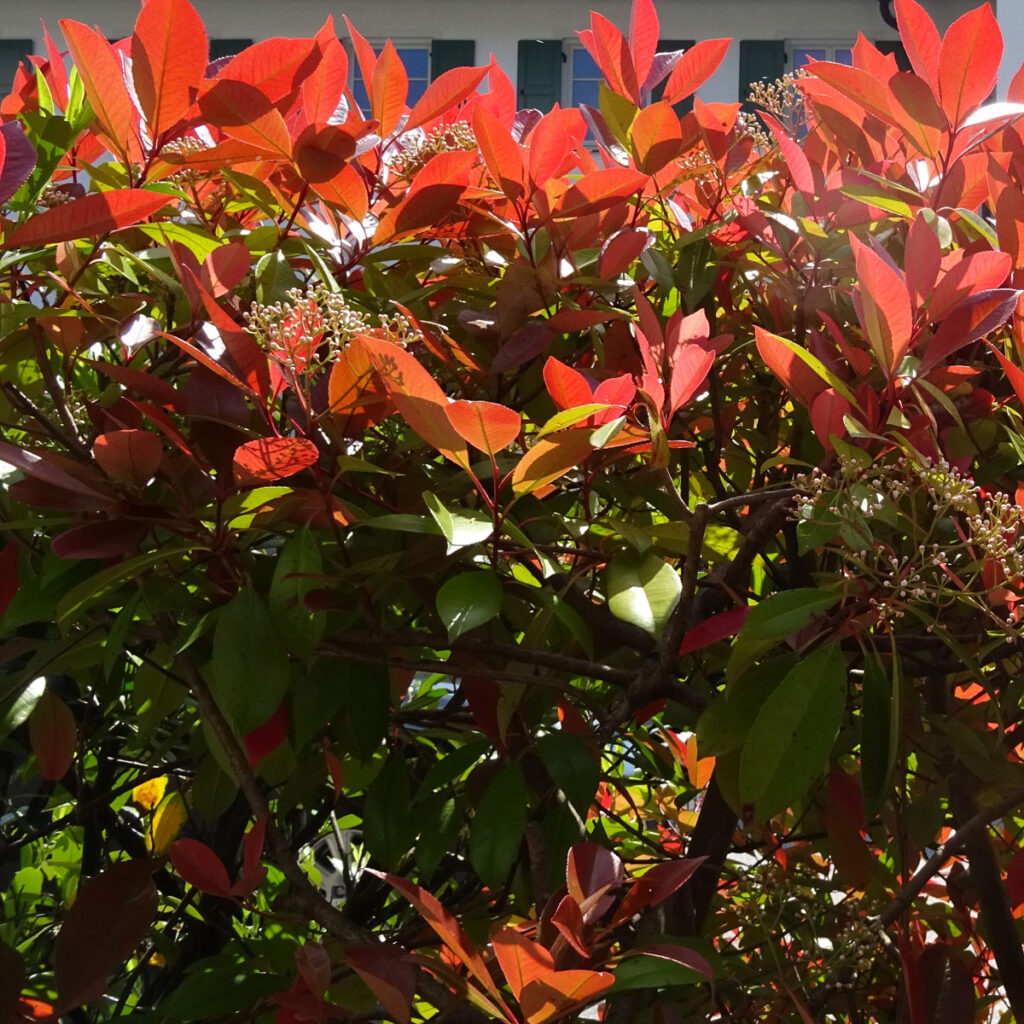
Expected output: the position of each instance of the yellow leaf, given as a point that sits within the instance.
(149, 794)
(166, 824)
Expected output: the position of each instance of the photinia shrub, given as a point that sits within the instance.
(473, 563)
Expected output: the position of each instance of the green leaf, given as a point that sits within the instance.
(724, 724)
(571, 765)
(364, 697)
(76, 600)
(212, 992)
(22, 707)
(880, 731)
(642, 589)
(498, 826)
(570, 417)
(789, 743)
(444, 814)
(462, 527)
(467, 601)
(296, 573)
(250, 665)
(389, 827)
(775, 618)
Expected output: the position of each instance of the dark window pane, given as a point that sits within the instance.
(12, 53)
(227, 47)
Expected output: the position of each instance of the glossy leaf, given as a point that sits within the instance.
(521, 959)
(643, 590)
(694, 68)
(468, 601)
(550, 458)
(250, 666)
(200, 867)
(273, 458)
(790, 741)
(497, 827)
(96, 214)
(132, 456)
(552, 996)
(169, 55)
(54, 736)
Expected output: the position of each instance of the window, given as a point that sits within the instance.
(804, 53)
(585, 80)
(227, 47)
(12, 53)
(670, 46)
(423, 61)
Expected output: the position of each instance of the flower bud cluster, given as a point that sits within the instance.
(417, 148)
(311, 326)
(917, 532)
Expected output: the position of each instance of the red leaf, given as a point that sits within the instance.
(554, 995)
(111, 914)
(883, 306)
(970, 321)
(245, 113)
(797, 377)
(365, 57)
(550, 142)
(920, 39)
(617, 253)
(601, 189)
(1014, 374)
(591, 869)
(718, 627)
(915, 110)
(643, 37)
(694, 68)
(501, 153)
(448, 929)
(969, 62)
(100, 68)
(867, 92)
(521, 960)
(169, 56)
(8, 576)
(690, 367)
(17, 159)
(796, 159)
(567, 387)
(276, 67)
(550, 458)
(266, 738)
(656, 137)
(488, 427)
(417, 395)
(273, 458)
(46, 466)
(132, 456)
(321, 151)
(53, 736)
(387, 89)
(974, 272)
(94, 214)
(200, 867)
(446, 91)
(568, 919)
(655, 886)
(226, 267)
(608, 47)
(336, 772)
(678, 955)
(827, 416)
(322, 90)
(108, 538)
(922, 259)
(347, 190)
(388, 974)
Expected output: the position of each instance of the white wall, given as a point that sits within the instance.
(498, 25)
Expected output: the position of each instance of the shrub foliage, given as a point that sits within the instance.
(458, 560)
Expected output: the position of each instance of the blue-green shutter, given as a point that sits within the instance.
(446, 54)
(227, 47)
(761, 60)
(12, 53)
(540, 73)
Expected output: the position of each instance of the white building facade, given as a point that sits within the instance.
(533, 40)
